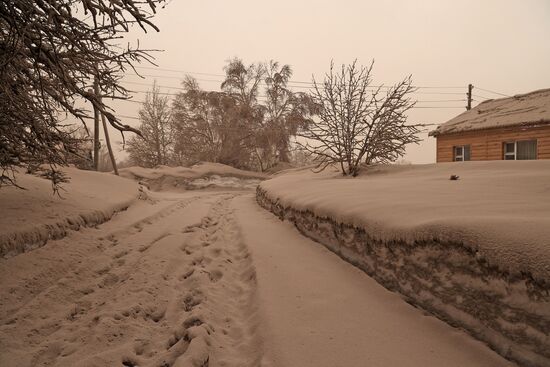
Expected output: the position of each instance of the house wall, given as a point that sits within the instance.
(488, 144)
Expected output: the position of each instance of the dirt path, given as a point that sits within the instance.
(321, 311)
(165, 284)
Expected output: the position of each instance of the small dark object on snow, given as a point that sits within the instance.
(454, 177)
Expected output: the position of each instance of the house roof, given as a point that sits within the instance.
(519, 110)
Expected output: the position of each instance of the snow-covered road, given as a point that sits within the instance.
(321, 311)
(209, 279)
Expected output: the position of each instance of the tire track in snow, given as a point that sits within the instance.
(57, 276)
(167, 290)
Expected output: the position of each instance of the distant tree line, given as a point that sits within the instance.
(54, 52)
(248, 124)
(255, 118)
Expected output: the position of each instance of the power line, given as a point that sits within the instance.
(223, 76)
(490, 91)
(437, 107)
(178, 71)
(306, 84)
(478, 96)
(181, 88)
(309, 84)
(444, 100)
(131, 100)
(264, 97)
(128, 117)
(171, 77)
(414, 107)
(293, 86)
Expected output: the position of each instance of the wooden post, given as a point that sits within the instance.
(469, 94)
(108, 142)
(96, 127)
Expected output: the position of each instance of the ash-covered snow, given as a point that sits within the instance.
(500, 209)
(199, 176)
(33, 216)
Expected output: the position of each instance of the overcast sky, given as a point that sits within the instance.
(501, 46)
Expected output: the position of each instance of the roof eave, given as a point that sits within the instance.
(531, 124)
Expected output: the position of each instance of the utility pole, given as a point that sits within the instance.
(108, 142)
(96, 127)
(469, 95)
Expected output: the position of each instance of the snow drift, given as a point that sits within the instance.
(474, 252)
(200, 176)
(33, 216)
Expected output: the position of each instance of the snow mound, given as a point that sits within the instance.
(33, 216)
(474, 252)
(499, 209)
(199, 176)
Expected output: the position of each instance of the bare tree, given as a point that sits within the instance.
(357, 122)
(286, 112)
(154, 146)
(208, 127)
(268, 125)
(50, 53)
(242, 83)
(196, 123)
(232, 126)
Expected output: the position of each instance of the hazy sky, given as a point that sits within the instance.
(502, 46)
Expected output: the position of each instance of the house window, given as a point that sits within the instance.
(461, 153)
(510, 151)
(520, 150)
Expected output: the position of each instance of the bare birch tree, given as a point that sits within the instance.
(197, 123)
(51, 51)
(232, 126)
(242, 83)
(155, 145)
(357, 122)
(285, 112)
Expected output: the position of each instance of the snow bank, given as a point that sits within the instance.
(33, 216)
(200, 176)
(475, 252)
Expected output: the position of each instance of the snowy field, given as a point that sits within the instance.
(474, 251)
(198, 278)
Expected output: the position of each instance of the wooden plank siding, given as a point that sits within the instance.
(488, 144)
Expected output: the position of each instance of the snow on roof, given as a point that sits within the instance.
(497, 208)
(522, 109)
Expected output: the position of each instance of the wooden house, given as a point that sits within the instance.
(512, 128)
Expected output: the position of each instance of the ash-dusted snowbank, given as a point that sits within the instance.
(33, 216)
(475, 252)
(499, 209)
(200, 176)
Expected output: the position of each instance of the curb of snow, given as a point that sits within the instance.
(508, 311)
(20, 241)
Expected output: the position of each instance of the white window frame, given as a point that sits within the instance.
(515, 152)
(457, 157)
(511, 154)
